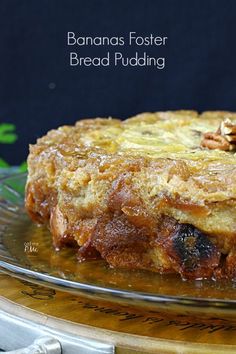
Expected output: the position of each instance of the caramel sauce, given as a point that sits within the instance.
(196, 209)
(64, 264)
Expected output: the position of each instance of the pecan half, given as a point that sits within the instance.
(228, 129)
(223, 139)
(215, 141)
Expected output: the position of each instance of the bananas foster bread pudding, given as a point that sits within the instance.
(155, 192)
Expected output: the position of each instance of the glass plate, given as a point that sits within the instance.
(26, 252)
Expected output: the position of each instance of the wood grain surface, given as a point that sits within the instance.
(130, 328)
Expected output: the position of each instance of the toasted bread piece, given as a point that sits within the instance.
(141, 193)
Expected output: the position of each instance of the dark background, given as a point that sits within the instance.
(40, 91)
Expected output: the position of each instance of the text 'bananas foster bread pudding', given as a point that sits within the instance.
(155, 192)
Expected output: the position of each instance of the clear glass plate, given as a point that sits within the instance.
(26, 252)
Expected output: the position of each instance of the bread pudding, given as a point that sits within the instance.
(156, 191)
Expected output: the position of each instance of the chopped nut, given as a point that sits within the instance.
(227, 127)
(215, 141)
(231, 138)
(223, 139)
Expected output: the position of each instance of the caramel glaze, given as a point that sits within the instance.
(127, 236)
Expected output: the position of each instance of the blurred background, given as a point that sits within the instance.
(40, 91)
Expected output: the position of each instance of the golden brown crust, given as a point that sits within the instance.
(142, 193)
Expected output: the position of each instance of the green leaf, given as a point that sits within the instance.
(23, 167)
(7, 133)
(3, 163)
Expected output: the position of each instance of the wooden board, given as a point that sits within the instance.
(130, 328)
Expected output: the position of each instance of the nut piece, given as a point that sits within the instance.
(227, 127)
(215, 141)
(223, 139)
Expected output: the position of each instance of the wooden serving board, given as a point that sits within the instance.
(131, 329)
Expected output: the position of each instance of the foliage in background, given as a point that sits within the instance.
(8, 136)
(7, 133)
